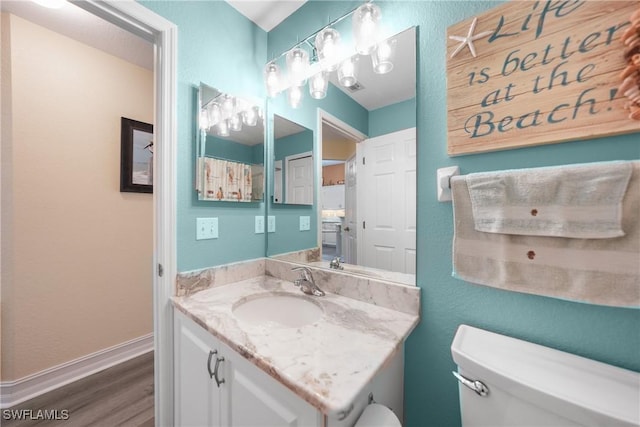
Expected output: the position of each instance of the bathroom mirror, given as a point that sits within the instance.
(366, 190)
(293, 171)
(230, 148)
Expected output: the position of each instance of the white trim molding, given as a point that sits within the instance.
(134, 17)
(15, 392)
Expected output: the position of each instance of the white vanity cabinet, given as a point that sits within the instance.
(245, 395)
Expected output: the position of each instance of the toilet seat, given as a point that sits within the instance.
(376, 415)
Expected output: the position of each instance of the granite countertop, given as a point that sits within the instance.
(326, 363)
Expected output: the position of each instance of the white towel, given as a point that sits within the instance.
(579, 201)
(597, 271)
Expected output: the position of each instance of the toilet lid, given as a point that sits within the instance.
(376, 415)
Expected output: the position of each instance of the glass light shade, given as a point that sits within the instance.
(228, 105)
(214, 113)
(327, 44)
(204, 119)
(365, 27)
(250, 116)
(235, 123)
(223, 128)
(297, 66)
(272, 78)
(318, 85)
(348, 72)
(295, 96)
(382, 57)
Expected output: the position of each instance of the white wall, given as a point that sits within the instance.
(76, 253)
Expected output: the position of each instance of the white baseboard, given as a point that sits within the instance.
(23, 389)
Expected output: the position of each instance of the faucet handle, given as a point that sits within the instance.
(305, 273)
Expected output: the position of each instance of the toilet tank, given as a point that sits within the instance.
(533, 385)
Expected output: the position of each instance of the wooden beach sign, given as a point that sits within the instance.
(545, 72)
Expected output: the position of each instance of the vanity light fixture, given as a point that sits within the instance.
(328, 46)
(318, 84)
(295, 96)
(347, 72)
(297, 66)
(365, 27)
(250, 116)
(272, 78)
(329, 54)
(225, 113)
(235, 123)
(223, 128)
(383, 55)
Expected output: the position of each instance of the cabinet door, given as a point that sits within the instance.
(197, 397)
(257, 400)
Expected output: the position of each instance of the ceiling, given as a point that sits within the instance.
(78, 24)
(266, 14)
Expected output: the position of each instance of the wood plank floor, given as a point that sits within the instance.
(119, 396)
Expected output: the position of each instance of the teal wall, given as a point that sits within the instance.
(229, 150)
(392, 118)
(431, 397)
(220, 47)
(601, 333)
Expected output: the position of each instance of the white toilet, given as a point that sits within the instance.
(523, 384)
(376, 415)
(527, 384)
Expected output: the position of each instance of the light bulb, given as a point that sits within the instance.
(228, 105)
(295, 96)
(235, 123)
(223, 128)
(327, 44)
(382, 57)
(214, 114)
(318, 85)
(204, 119)
(365, 27)
(297, 65)
(347, 72)
(272, 78)
(250, 116)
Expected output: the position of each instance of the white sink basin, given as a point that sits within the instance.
(279, 310)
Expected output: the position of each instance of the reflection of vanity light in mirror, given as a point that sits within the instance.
(230, 159)
(384, 200)
(330, 54)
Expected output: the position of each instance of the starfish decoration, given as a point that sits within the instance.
(469, 39)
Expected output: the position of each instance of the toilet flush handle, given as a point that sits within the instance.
(475, 385)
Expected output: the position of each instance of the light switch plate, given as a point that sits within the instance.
(259, 225)
(305, 223)
(271, 224)
(206, 228)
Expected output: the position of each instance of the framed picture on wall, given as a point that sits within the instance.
(136, 156)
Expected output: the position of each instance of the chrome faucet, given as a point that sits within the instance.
(335, 264)
(306, 282)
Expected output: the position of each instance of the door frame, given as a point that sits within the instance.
(143, 22)
(324, 117)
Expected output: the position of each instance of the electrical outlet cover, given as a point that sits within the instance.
(271, 224)
(206, 228)
(259, 226)
(305, 223)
